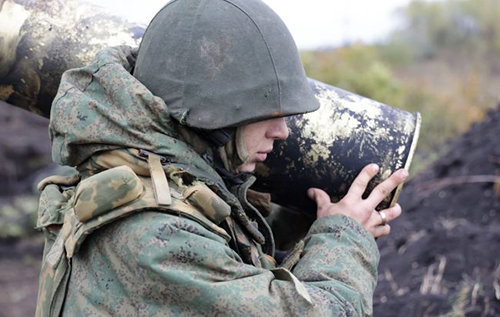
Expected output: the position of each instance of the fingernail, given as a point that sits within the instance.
(375, 167)
(404, 174)
(310, 193)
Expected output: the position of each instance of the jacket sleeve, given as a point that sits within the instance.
(193, 271)
(156, 264)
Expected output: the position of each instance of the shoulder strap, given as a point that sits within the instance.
(118, 193)
(95, 202)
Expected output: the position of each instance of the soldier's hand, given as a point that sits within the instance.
(363, 210)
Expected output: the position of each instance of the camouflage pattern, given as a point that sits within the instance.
(172, 266)
(111, 249)
(204, 199)
(120, 184)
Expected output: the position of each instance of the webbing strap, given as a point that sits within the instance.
(159, 180)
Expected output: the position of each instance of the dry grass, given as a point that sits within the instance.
(432, 281)
(496, 282)
(471, 299)
(398, 291)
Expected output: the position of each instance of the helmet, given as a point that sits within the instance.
(223, 63)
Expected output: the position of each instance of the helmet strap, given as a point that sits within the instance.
(241, 148)
(234, 153)
(224, 149)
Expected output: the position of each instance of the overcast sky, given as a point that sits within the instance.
(313, 23)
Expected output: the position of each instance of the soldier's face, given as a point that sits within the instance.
(259, 138)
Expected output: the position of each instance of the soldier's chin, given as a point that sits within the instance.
(246, 168)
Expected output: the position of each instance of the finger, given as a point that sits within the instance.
(374, 220)
(320, 197)
(383, 189)
(358, 187)
(390, 213)
(381, 231)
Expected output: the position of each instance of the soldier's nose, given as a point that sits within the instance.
(278, 129)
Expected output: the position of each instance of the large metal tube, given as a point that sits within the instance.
(328, 148)
(39, 40)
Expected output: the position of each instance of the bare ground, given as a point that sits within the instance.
(443, 256)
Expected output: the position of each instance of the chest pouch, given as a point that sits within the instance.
(106, 191)
(67, 215)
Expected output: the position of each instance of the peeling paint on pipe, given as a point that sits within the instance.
(39, 40)
(328, 148)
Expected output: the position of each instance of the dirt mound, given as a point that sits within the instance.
(443, 256)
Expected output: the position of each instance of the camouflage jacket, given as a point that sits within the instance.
(148, 228)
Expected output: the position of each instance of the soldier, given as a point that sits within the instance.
(160, 219)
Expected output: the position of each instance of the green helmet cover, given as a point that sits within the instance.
(223, 63)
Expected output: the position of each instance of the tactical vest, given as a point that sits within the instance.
(70, 209)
